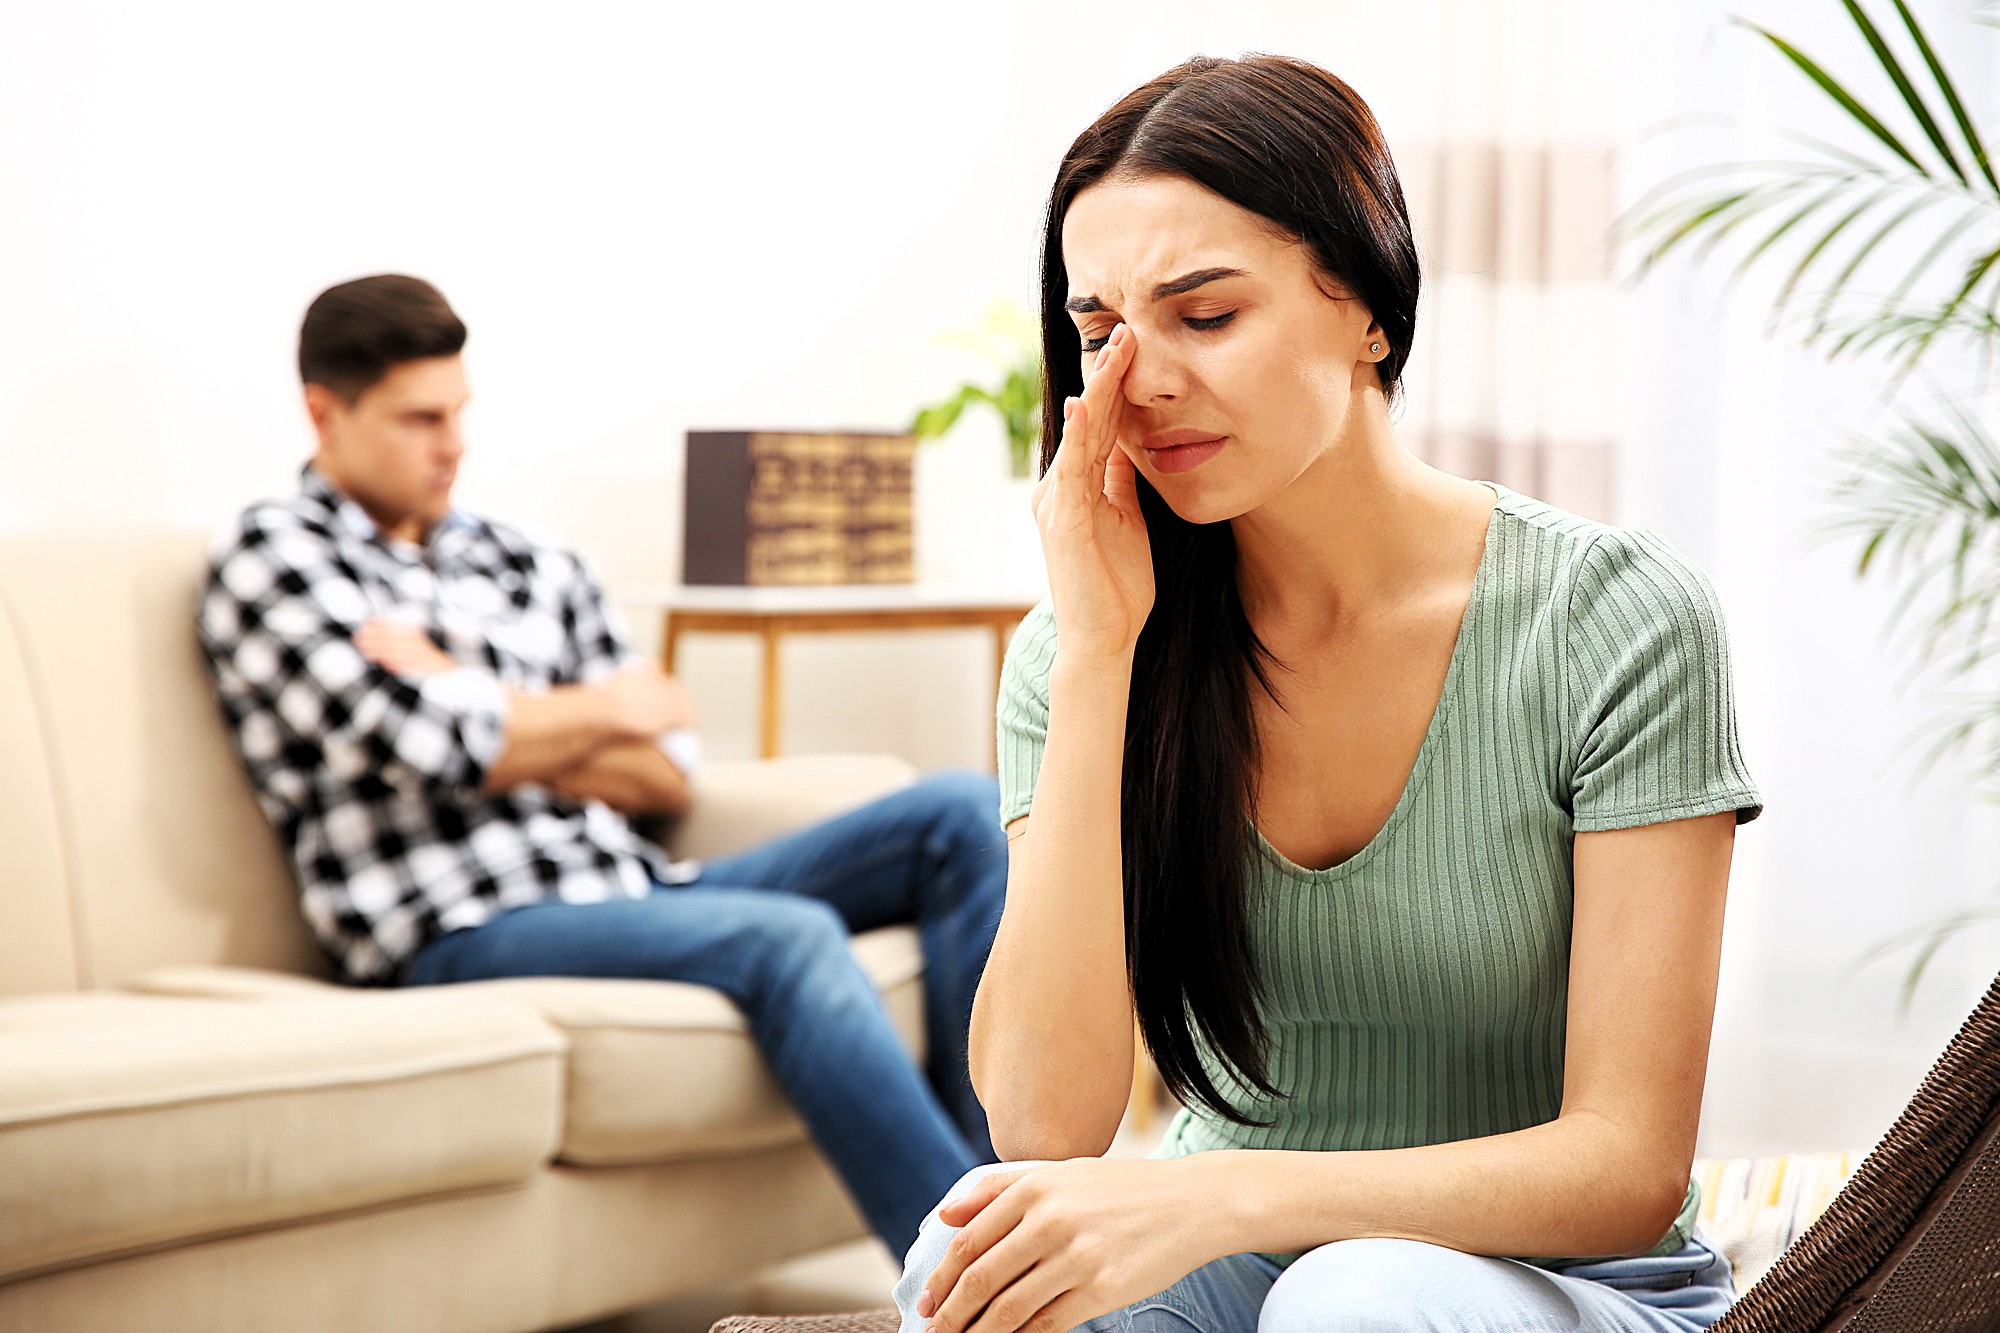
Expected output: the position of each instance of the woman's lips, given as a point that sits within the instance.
(1182, 454)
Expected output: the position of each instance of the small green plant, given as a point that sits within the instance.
(1010, 340)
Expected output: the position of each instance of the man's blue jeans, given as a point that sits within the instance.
(769, 928)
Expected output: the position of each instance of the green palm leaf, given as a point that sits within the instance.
(1894, 69)
(1855, 260)
(1928, 939)
(1838, 212)
(1980, 157)
(1831, 86)
(1816, 249)
(1975, 273)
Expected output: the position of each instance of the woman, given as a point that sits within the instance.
(1398, 806)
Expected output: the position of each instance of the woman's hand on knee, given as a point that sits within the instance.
(1042, 1251)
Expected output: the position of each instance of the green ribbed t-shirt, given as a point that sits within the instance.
(1415, 993)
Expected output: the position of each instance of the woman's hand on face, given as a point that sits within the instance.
(1043, 1250)
(1087, 508)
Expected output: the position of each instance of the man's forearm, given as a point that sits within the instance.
(550, 734)
(632, 777)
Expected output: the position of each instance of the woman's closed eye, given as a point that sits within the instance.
(1091, 345)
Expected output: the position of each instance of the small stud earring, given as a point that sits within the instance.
(1374, 347)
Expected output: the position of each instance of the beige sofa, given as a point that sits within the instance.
(198, 1131)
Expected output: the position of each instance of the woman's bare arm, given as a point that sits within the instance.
(1051, 1040)
(1607, 1175)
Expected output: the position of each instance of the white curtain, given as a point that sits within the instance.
(1511, 192)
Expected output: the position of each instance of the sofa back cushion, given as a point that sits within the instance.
(37, 941)
(165, 856)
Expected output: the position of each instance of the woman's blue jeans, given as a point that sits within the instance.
(1360, 1286)
(769, 928)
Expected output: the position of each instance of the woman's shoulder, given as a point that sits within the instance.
(1024, 672)
(1039, 624)
(1605, 574)
(1034, 643)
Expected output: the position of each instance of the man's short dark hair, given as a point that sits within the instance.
(359, 331)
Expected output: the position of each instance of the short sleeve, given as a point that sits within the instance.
(1650, 692)
(1023, 719)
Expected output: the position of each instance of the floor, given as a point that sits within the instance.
(855, 1276)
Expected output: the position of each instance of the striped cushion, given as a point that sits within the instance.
(1753, 1207)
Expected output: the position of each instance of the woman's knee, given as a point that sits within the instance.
(934, 1237)
(1381, 1283)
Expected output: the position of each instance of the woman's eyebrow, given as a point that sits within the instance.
(1186, 282)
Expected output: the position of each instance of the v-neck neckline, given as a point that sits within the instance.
(1441, 714)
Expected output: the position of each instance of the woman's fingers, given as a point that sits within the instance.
(1121, 484)
(1092, 422)
(998, 1210)
(1071, 448)
(959, 1211)
(1048, 477)
(1067, 1310)
(1000, 1291)
(1107, 406)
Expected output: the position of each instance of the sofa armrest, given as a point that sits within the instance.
(735, 805)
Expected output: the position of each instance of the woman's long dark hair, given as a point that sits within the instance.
(1292, 143)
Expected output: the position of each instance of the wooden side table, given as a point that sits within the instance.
(772, 613)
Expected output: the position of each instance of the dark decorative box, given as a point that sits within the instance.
(793, 507)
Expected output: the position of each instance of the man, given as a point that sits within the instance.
(445, 723)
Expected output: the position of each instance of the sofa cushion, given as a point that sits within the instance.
(165, 854)
(37, 914)
(736, 804)
(660, 1070)
(657, 1069)
(129, 1121)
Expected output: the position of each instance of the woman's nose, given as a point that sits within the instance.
(1152, 376)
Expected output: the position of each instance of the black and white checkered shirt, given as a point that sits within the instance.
(372, 779)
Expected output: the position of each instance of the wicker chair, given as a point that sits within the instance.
(1911, 1243)
(867, 1321)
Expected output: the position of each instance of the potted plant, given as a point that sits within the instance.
(1924, 497)
(1011, 342)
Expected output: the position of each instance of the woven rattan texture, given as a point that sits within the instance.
(1950, 1279)
(1870, 1216)
(866, 1321)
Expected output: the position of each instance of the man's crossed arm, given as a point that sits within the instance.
(589, 742)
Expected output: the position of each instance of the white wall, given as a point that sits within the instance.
(652, 218)
(664, 217)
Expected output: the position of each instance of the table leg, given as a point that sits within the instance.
(670, 644)
(768, 736)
